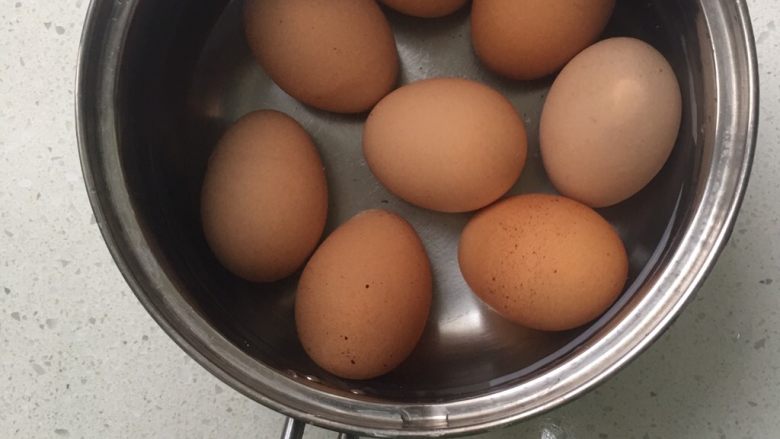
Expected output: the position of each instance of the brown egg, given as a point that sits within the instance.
(333, 55)
(610, 121)
(530, 39)
(265, 199)
(543, 261)
(363, 298)
(446, 144)
(427, 8)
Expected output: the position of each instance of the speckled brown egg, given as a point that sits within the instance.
(363, 298)
(264, 200)
(426, 8)
(530, 39)
(543, 261)
(333, 55)
(610, 121)
(446, 144)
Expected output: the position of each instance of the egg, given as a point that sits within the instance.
(610, 121)
(363, 299)
(543, 261)
(335, 56)
(530, 39)
(425, 9)
(264, 200)
(445, 144)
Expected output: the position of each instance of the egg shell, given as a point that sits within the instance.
(610, 121)
(264, 200)
(446, 144)
(337, 56)
(530, 39)
(543, 261)
(425, 9)
(363, 299)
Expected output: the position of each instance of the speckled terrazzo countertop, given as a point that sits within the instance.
(79, 357)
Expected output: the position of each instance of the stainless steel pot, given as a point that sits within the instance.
(159, 81)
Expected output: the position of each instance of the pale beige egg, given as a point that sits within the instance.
(610, 121)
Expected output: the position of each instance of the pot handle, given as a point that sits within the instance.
(293, 429)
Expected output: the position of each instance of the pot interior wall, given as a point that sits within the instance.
(187, 74)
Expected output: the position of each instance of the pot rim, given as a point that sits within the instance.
(679, 274)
